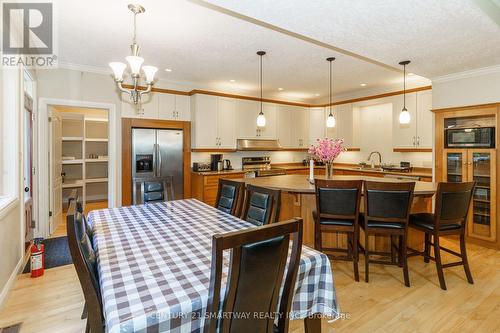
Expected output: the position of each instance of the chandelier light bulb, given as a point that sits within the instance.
(118, 68)
(149, 72)
(261, 120)
(135, 64)
(330, 121)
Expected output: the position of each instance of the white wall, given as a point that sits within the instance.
(467, 88)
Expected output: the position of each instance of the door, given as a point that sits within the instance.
(482, 169)
(170, 159)
(424, 119)
(300, 126)
(455, 165)
(55, 167)
(205, 122)
(226, 123)
(285, 123)
(182, 107)
(166, 106)
(143, 153)
(28, 169)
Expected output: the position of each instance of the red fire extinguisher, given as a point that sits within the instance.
(37, 258)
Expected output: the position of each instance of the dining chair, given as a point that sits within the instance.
(262, 205)
(255, 278)
(337, 211)
(230, 196)
(387, 212)
(84, 259)
(449, 218)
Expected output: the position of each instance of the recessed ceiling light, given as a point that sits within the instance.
(168, 70)
(316, 95)
(363, 84)
(232, 80)
(281, 89)
(411, 74)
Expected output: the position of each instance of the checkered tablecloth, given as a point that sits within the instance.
(154, 267)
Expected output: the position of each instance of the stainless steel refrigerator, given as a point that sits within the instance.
(157, 159)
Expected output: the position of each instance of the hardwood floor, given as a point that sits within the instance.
(54, 302)
(61, 227)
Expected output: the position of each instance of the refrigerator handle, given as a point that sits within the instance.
(155, 160)
(159, 159)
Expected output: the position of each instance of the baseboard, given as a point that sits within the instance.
(10, 282)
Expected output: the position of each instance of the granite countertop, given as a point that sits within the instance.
(300, 183)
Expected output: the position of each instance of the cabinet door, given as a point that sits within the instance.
(482, 169)
(285, 123)
(166, 106)
(405, 135)
(345, 124)
(147, 108)
(246, 119)
(317, 124)
(269, 131)
(182, 107)
(455, 165)
(205, 121)
(226, 123)
(300, 127)
(424, 119)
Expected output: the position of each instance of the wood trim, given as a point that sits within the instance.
(412, 150)
(267, 100)
(127, 125)
(468, 107)
(361, 99)
(217, 150)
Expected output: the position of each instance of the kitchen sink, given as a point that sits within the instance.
(368, 168)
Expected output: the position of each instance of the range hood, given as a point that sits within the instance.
(257, 144)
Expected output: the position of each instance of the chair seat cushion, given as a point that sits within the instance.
(426, 221)
(336, 222)
(378, 224)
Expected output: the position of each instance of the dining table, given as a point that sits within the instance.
(154, 263)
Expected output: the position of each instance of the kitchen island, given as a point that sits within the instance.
(298, 200)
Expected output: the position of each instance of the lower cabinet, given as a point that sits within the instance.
(204, 187)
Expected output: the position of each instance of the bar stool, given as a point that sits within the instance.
(450, 218)
(387, 212)
(337, 211)
(262, 205)
(230, 196)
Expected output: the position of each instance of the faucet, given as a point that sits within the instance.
(379, 158)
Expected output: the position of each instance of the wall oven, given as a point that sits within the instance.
(474, 137)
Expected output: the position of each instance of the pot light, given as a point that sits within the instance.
(317, 95)
(281, 89)
(168, 70)
(363, 84)
(232, 81)
(411, 74)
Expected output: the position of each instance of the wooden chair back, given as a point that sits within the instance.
(85, 262)
(257, 264)
(453, 203)
(338, 199)
(388, 201)
(262, 205)
(230, 196)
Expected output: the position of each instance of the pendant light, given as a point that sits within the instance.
(330, 121)
(404, 116)
(261, 119)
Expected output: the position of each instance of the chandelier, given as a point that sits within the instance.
(135, 64)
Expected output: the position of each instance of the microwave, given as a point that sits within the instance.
(475, 137)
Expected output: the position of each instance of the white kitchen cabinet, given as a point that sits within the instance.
(226, 123)
(247, 112)
(344, 128)
(317, 124)
(204, 125)
(174, 107)
(424, 119)
(300, 127)
(418, 133)
(284, 114)
(147, 108)
(404, 135)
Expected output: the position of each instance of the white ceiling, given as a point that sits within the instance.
(206, 48)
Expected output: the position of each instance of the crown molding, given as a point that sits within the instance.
(467, 74)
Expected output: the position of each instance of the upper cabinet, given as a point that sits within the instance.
(174, 107)
(247, 112)
(418, 133)
(317, 124)
(343, 124)
(292, 126)
(147, 108)
(213, 122)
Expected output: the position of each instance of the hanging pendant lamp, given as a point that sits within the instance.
(261, 119)
(404, 116)
(330, 121)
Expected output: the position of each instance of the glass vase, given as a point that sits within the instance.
(329, 170)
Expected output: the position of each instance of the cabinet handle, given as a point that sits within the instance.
(413, 141)
(418, 141)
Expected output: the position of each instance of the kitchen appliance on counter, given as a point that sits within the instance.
(260, 167)
(227, 164)
(470, 137)
(403, 167)
(201, 167)
(216, 162)
(157, 163)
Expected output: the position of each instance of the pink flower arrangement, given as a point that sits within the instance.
(327, 150)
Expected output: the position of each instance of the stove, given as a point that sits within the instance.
(260, 167)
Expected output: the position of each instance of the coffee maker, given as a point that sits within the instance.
(216, 162)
